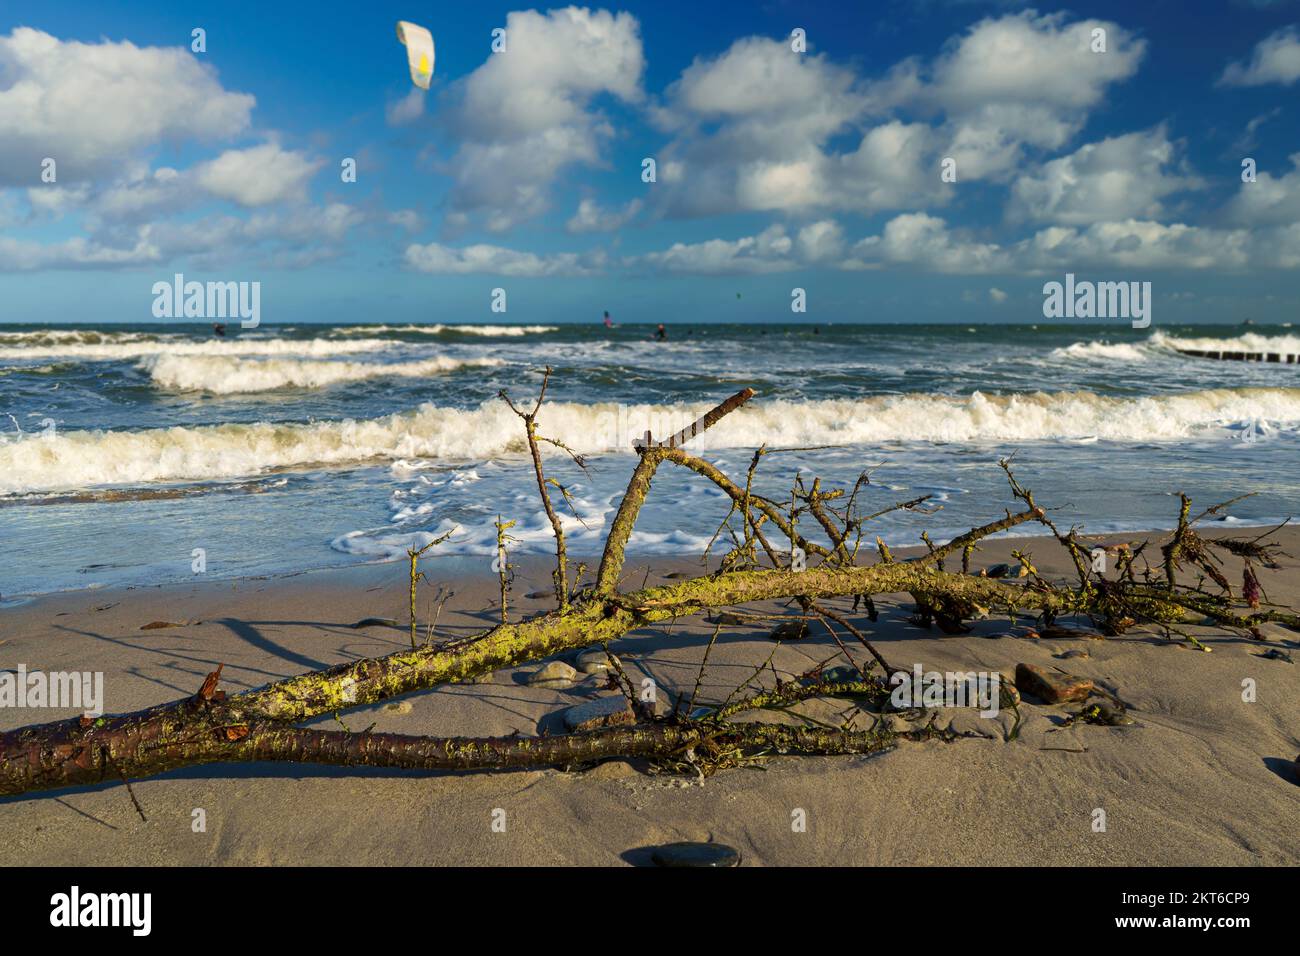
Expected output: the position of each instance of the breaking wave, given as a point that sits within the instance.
(126, 350)
(1249, 342)
(82, 459)
(439, 329)
(225, 375)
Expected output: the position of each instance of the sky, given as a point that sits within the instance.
(906, 161)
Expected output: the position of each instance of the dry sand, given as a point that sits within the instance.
(1202, 778)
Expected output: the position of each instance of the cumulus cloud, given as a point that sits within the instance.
(926, 244)
(922, 240)
(257, 176)
(759, 127)
(1123, 177)
(1275, 59)
(292, 238)
(485, 259)
(1017, 81)
(591, 216)
(769, 251)
(94, 106)
(1270, 200)
(527, 114)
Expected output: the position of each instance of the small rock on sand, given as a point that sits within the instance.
(1008, 696)
(398, 707)
(594, 661)
(158, 625)
(726, 617)
(601, 712)
(695, 854)
(1110, 715)
(556, 675)
(1074, 653)
(1051, 686)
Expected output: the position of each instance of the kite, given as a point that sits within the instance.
(419, 51)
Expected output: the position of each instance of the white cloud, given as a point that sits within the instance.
(257, 176)
(820, 241)
(997, 295)
(1270, 200)
(593, 217)
(757, 128)
(94, 106)
(769, 251)
(926, 243)
(484, 259)
(526, 115)
(408, 109)
(408, 219)
(1018, 81)
(1276, 59)
(1124, 177)
(922, 240)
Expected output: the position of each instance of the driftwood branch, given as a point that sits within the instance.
(260, 724)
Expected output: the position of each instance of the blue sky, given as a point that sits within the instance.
(776, 168)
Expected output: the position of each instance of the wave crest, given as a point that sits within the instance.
(82, 459)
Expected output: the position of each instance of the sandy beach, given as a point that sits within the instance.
(1201, 777)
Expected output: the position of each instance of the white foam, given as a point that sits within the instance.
(126, 350)
(81, 459)
(438, 329)
(224, 375)
(1248, 342)
(1103, 351)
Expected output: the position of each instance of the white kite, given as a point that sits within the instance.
(419, 52)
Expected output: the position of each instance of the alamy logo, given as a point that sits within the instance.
(923, 688)
(83, 690)
(211, 300)
(103, 909)
(1098, 300)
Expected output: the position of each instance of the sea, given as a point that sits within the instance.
(137, 455)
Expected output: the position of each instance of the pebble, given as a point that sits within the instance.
(156, 625)
(399, 707)
(695, 854)
(594, 661)
(1008, 696)
(1051, 686)
(601, 712)
(557, 675)
(790, 631)
(726, 617)
(1071, 654)
(1112, 716)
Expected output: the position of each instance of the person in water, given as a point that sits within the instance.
(661, 334)
(218, 329)
(609, 323)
